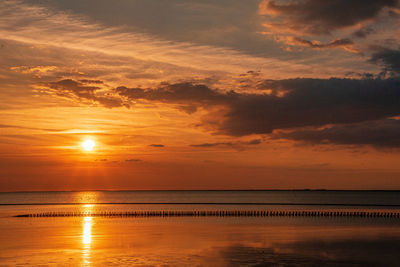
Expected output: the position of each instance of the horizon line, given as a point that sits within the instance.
(198, 190)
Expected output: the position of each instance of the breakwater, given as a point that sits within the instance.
(220, 213)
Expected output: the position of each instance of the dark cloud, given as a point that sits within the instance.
(178, 93)
(363, 32)
(157, 145)
(213, 144)
(254, 142)
(381, 134)
(91, 81)
(133, 160)
(363, 75)
(71, 88)
(109, 102)
(389, 59)
(283, 104)
(189, 109)
(323, 17)
(229, 144)
(311, 102)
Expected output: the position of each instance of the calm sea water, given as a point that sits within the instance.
(356, 198)
(208, 241)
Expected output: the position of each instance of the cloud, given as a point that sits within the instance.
(363, 32)
(229, 144)
(381, 134)
(38, 25)
(227, 23)
(345, 44)
(322, 17)
(5, 126)
(91, 81)
(213, 144)
(282, 104)
(311, 102)
(182, 93)
(38, 71)
(157, 145)
(389, 59)
(81, 90)
(189, 109)
(294, 22)
(133, 160)
(73, 86)
(254, 142)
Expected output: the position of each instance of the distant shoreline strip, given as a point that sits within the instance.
(220, 213)
(208, 203)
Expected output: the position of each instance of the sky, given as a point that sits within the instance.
(190, 94)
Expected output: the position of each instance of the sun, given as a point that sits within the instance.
(88, 144)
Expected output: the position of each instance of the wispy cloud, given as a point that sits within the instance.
(38, 25)
(345, 44)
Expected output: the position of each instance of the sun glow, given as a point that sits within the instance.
(88, 145)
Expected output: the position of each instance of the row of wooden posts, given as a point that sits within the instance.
(219, 213)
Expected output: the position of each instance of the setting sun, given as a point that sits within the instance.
(88, 144)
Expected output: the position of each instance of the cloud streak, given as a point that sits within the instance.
(157, 145)
(345, 44)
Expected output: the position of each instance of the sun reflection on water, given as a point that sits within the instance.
(87, 209)
(85, 197)
(87, 230)
(86, 240)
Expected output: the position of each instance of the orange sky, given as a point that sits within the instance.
(250, 95)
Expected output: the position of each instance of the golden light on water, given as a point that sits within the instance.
(86, 240)
(86, 197)
(87, 230)
(88, 144)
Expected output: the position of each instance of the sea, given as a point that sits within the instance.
(264, 228)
